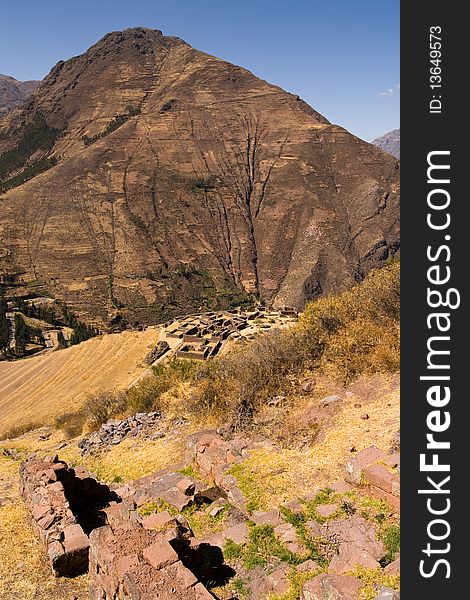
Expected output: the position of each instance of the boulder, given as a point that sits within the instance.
(364, 458)
(160, 554)
(355, 532)
(386, 593)
(331, 587)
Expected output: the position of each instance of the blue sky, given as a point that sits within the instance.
(341, 56)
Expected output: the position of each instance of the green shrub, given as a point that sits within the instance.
(100, 407)
(391, 539)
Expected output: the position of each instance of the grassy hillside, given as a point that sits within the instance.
(37, 389)
(346, 345)
(338, 337)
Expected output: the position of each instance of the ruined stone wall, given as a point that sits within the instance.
(43, 485)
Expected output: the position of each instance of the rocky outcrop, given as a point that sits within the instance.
(13, 92)
(377, 470)
(130, 561)
(113, 432)
(170, 180)
(137, 541)
(212, 456)
(390, 142)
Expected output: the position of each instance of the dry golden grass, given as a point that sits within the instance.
(37, 389)
(270, 477)
(129, 460)
(24, 574)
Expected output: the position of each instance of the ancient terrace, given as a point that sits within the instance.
(203, 336)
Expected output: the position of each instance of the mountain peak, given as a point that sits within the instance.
(389, 142)
(162, 180)
(13, 92)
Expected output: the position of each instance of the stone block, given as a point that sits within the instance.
(331, 587)
(379, 476)
(159, 521)
(125, 564)
(237, 533)
(160, 554)
(362, 459)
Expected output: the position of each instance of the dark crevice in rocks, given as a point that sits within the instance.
(87, 499)
(206, 562)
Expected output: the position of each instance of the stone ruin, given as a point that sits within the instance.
(160, 349)
(114, 431)
(86, 526)
(137, 544)
(203, 335)
(65, 505)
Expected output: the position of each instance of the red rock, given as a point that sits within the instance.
(308, 566)
(295, 506)
(392, 461)
(272, 517)
(237, 533)
(286, 533)
(394, 567)
(331, 587)
(278, 580)
(184, 576)
(40, 511)
(116, 514)
(125, 564)
(391, 499)
(326, 510)
(46, 521)
(186, 486)
(50, 475)
(362, 459)
(158, 520)
(386, 593)
(55, 553)
(355, 532)
(216, 539)
(175, 498)
(348, 558)
(56, 487)
(160, 554)
(341, 487)
(109, 585)
(75, 539)
(379, 476)
(314, 528)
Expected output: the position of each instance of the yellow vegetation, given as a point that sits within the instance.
(35, 390)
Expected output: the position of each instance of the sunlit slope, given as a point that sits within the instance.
(39, 388)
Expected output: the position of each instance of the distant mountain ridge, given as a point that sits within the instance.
(390, 142)
(146, 179)
(13, 92)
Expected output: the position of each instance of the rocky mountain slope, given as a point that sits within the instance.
(147, 178)
(14, 93)
(390, 142)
